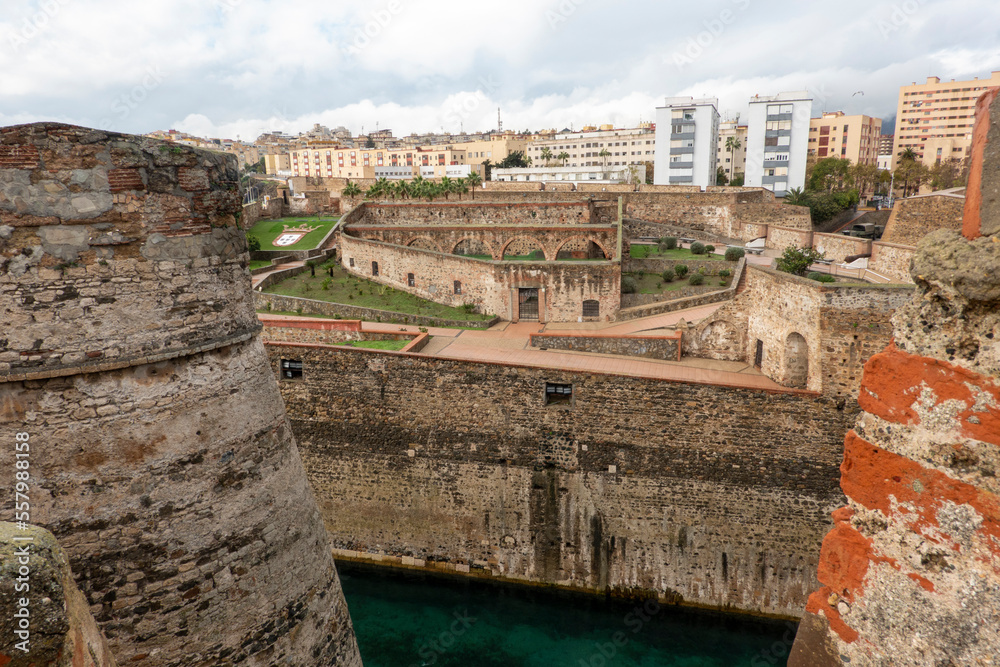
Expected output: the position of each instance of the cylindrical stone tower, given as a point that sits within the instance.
(160, 455)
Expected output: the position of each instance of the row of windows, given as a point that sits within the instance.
(411, 279)
(590, 145)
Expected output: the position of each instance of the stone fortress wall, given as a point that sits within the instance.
(711, 494)
(161, 457)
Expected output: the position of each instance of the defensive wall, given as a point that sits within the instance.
(492, 286)
(911, 569)
(801, 333)
(711, 495)
(915, 217)
(160, 454)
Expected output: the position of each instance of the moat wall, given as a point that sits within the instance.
(715, 494)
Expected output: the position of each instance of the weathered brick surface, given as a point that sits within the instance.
(161, 456)
(837, 247)
(910, 572)
(651, 347)
(718, 494)
(892, 261)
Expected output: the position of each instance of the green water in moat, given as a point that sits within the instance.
(404, 619)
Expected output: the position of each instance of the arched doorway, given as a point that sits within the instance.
(796, 360)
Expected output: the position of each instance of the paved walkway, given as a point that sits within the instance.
(507, 343)
(259, 278)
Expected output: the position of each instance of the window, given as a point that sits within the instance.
(374, 268)
(291, 369)
(558, 394)
(458, 287)
(410, 280)
(591, 308)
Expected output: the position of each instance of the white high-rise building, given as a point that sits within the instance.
(687, 132)
(778, 141)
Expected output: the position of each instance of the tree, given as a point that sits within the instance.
(445, 186)
(737, 180)
(487, 170)
(460, 187)
(563, 156)
(474, 180)
(797, 260)
(733, 144)
(720, 175)
(515, 160)
(945, 174)
(351, 190)
(546, 155)
(796, 197)
(863, 177)
(828, 173)
(910, 172)
(604, 155)
(650, 172)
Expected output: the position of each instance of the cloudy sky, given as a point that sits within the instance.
(224, 68)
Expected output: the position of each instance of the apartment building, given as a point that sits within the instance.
(340, 162)
(935, 119)
(278, 164)
(634, 173)
(777, 141)
(855, 138)
(687, 134)
(733, 162)
(885, 144)
(624, 146)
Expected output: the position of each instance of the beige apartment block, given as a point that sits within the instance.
(625, 146)
(733, 162)
(855, 138)
(935, 119)
(278, 164)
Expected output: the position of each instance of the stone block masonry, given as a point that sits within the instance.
(714, 494)
(666, 347)
(911, 568)
(57, 624)
(162, 459)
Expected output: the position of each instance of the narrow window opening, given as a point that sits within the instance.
(374, 268)
(410, 280)
(458, 287)
(291, 369)
(558, 394)
(591, 308)
(351, 260)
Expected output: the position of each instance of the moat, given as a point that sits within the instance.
(404, 619)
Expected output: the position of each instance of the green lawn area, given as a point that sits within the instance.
(377, 344)
(651, 283)
(653, 252)
(258, 264)
(269, 230)
(350, 290)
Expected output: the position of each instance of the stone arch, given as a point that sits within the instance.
(796, 360)
(720, 339)
(533, 240)
(475, 240)
(423, 243)
(588, 239)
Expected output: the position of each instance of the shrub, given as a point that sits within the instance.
(723, 273)
(709, 248)
(469, 308)
(681, 270)
(735, 254)
(667, 275)
(701, 270)
(821, 277)
(629, 285)
(326, 283)
(722, 283)
(797, 260)
(697, 248)
(671, 242)
(662, 247)
(253, 242)
(696, 279)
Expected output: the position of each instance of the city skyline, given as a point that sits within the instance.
(233, 68)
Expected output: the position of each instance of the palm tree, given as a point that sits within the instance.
(546, 155)
(474, 180)
(795, 196)
(563, 156)
(604, 154)
(460, 187)
(351, 190)
(732, 144)
(446, 186)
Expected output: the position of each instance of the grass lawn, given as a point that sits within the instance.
(651, 283)
(350, 290)
(268, 230)
(377, 344)
(258, 263)
(653, 252)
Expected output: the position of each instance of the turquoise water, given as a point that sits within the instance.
(404, 619)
